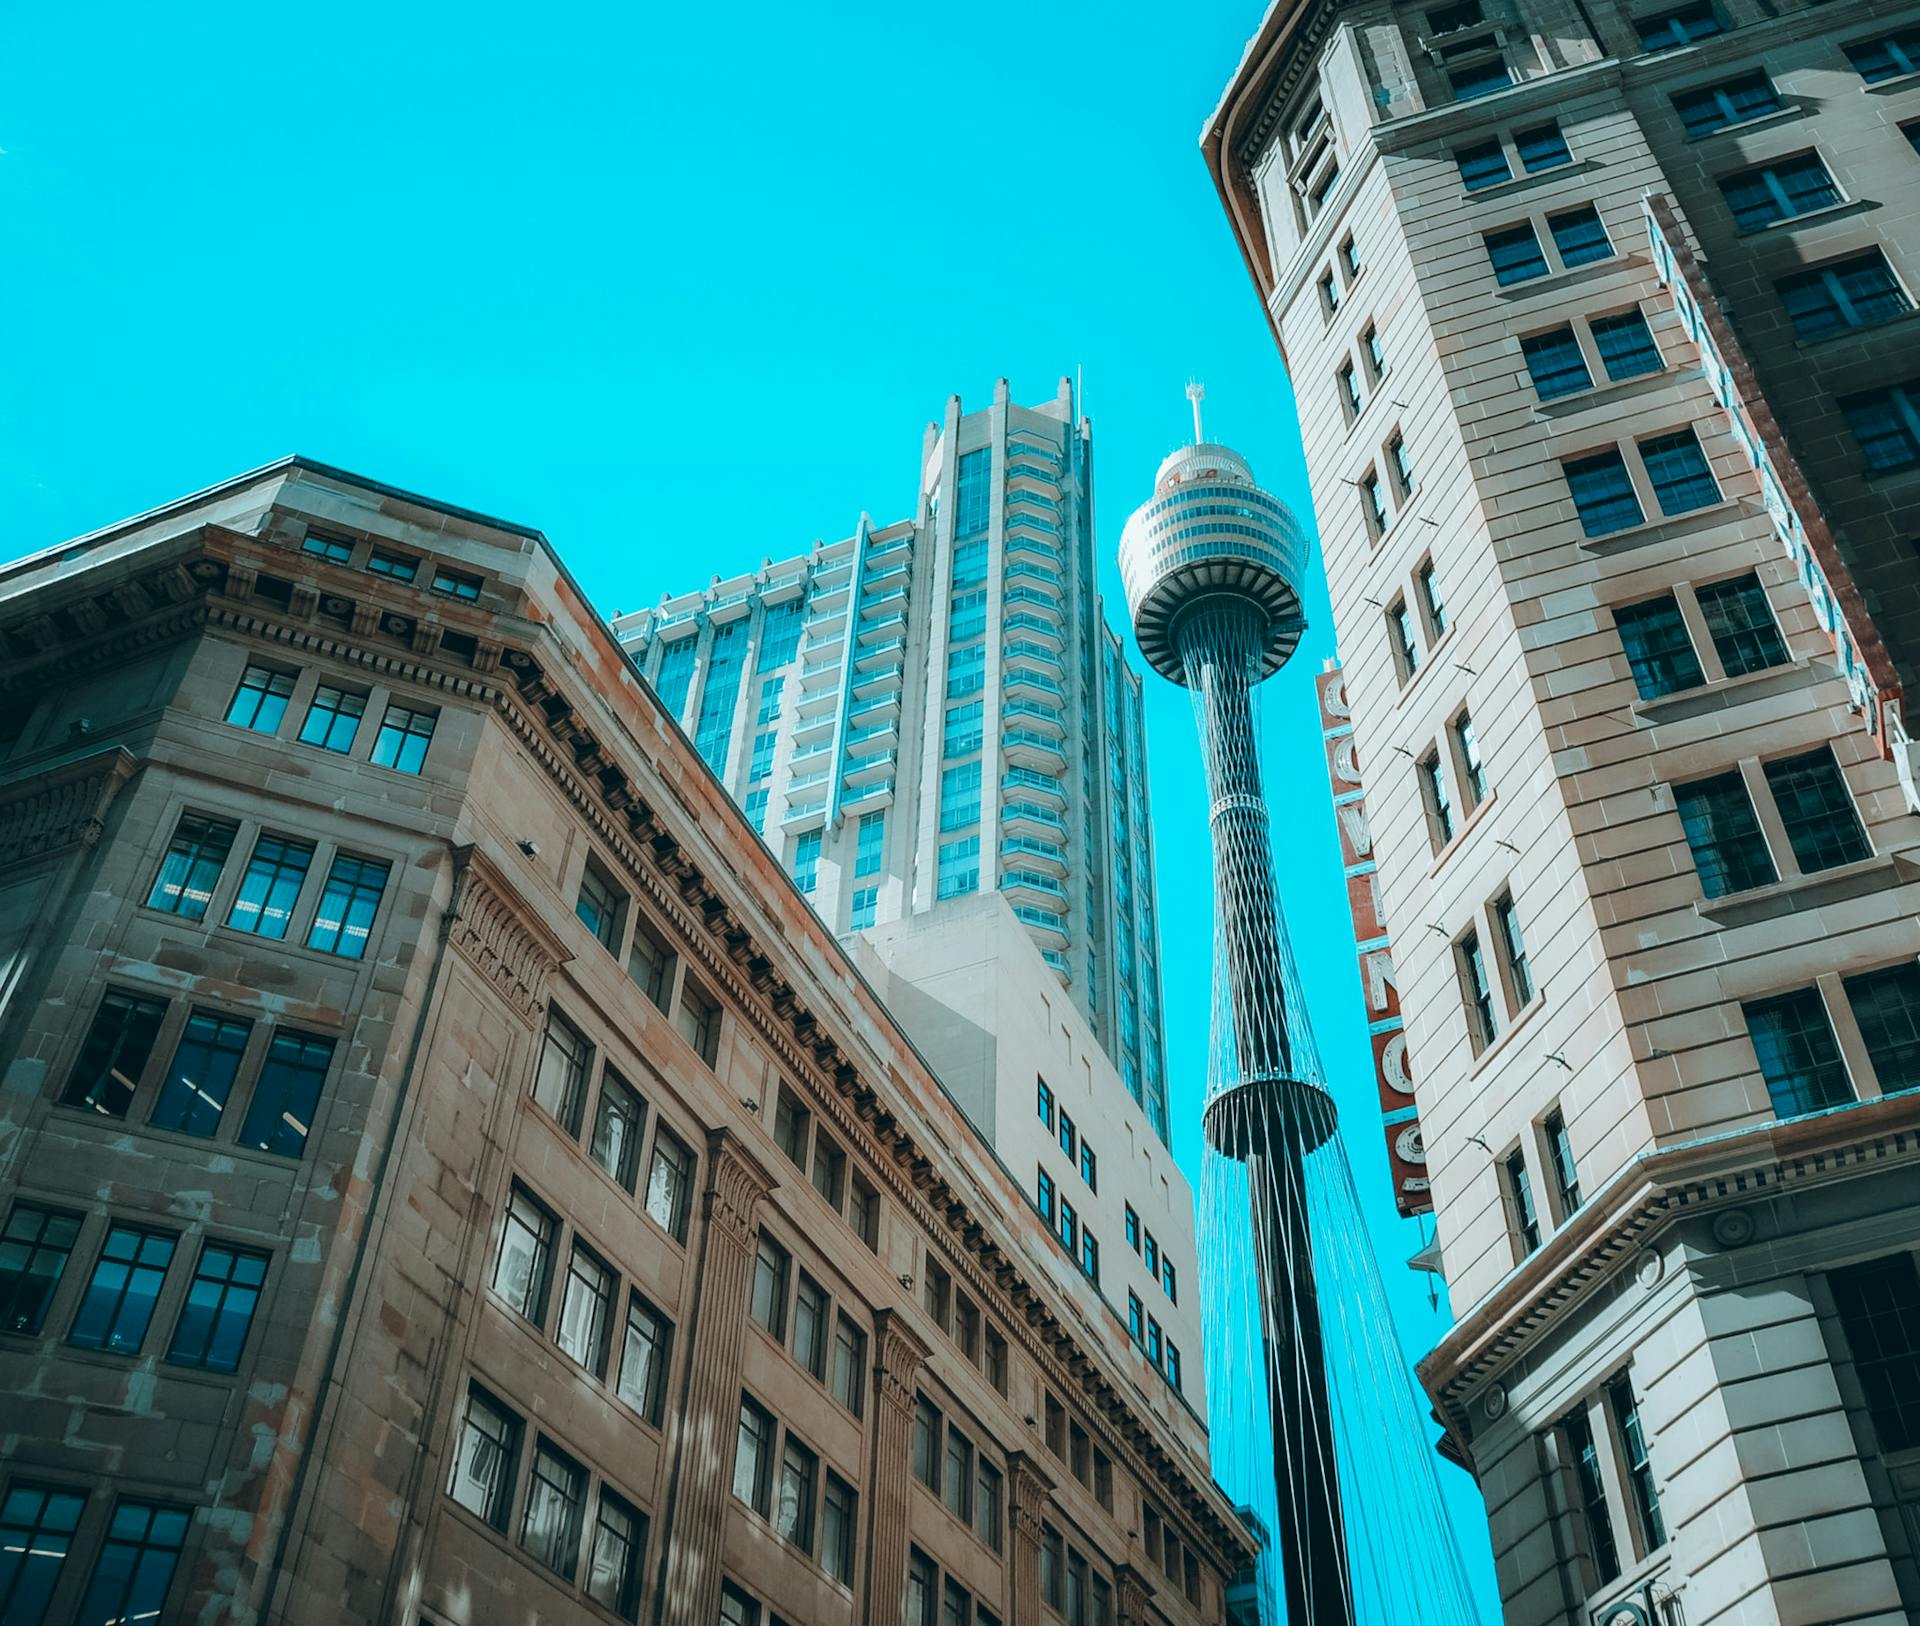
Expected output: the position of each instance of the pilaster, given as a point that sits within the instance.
(1131, 1593)
(1028, 1492)
(898, 1357)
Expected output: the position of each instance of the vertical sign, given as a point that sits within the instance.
(1386, 1027)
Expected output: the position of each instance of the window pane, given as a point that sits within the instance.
(793, 1514)
(560, 1081)
(1879, 1305)
(1516, 255)
(1603, 492)
(481, 1476)
(34, 1250)
(752, 1458)
(556, 1500)
(1798, 1056)
(121, 1293)
(343, 920)
(1555, 364)
(1658, 647)
(1580, 237)
(280, 1115)
(1543, 147)
(618, 1121)
(1728, 848)
(213, 1324)
(1887, 426)
(521, 1271)
(271, 886)
(619, 1541)
(1678, 469)
(36, 1533)
(114, 1054)
(1742, 625)
(261, 700)
(135, 1567)
(668, 1184)
(643, 1358)
(333, 718)
(1886, 1004)
(403, 739)
(768, 1304)
(1817, 810)
(1626, 346)
(839, 1524)
(194, 1093)
(191, 869)
(586, 1311)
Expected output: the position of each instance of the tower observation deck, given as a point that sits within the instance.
(1213, 568)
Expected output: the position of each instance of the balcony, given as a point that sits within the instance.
(1033, 714)
(1032, 818)
(872, 604)
(863, 770)
(1022, 881)
(1024, 783)
(894, 625)
(1031, 748)
(1025, 680)
(1041, 920)
(1032, 850)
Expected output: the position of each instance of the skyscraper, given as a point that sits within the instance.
(1599, 321)
(936, 706)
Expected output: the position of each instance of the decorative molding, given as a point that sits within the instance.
(63, 806)
(500, 933)
(737, 1181)
(1132, 1594)
(1030, 1489)
(899, 1356)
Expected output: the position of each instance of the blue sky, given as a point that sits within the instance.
(679, 286)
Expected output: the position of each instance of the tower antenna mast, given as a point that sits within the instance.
(1196, 393)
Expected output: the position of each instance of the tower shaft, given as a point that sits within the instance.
(1271, 1120)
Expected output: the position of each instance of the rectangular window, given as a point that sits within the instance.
(1798, 1056)
(1555, 364)
(271, 886)
(996, 1361)
(1513, 949)
(957, 1480)
(396, 566)
(331, 548)
(1473, 772)
(1778, 191)
(1879, 1305)
(1626, 345)
(481, 1477)
(1329, 294)
(926, 1443)
(1152, 1256)
(1633, 1450)
(1481, 1026)
(792, 1126)
(1404, 478)
(1433, 794)
(761, 762)
(1350, 397)
(1542, 147)
(865, 908)
(1526, 1217)
(1886, 423)
(1603, 493)
(1478, 79)
(1350, 257)
(1406, 647)
(869, 845)
(1090, 1257)
(260, 703)
(736, 1608)
(455, 585)
(1089, 1165)
(36, 1533)
(221, 1299)
(1667, 29)
(560, 1080)
(799, 1481)
(1886, 1004)
(839, 1526)
(1068, 1226)
(1566, 1174)
(1482, 165)
(698, 1020)
(1449, 19)
(134, 1571)
(1732, 101)
(670, 1184)
(1579, 236)
(973, 492)
(524, 1267)
(333, 718)
(1822, 826)
(1854, 292)
(1742, 626)
(34, 1250)
(966, 671)
(1069, 1136)
(753, 1457)
(280, 1115)
(121, 1293)
(191, 869)
(967, 613)
(960, 796)
(618, 1120)
(1596, 1516)
(1889, 57)
(959, 866)
(849, 1364)
(650, 965)
(613, 1566)
(1659, 648)
(768, 1304)
(586, 1310)
(601, 906)
(1173, 1373)
(806, 860)
(756, 809)
(1376, 357)
(114, 1054)
(810, 1313)
(1373, 504)
(1516, 255)
(964, 728)
(646, 1347)
(1043, 1198)
(1053, 1565)
(343, 919)
(556, 1506)
(1678, 469)
(1729, 850)
(1136, 1317)
(405, 733)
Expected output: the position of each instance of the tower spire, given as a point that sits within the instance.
(1196, 393)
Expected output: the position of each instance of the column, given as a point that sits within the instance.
(708, 1421)
(1028, 1492)
(898, 1356)
(1130, 1594)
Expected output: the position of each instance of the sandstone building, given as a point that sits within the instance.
(1600, 320)
(448, 1174)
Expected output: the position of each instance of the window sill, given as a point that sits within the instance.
(1434, 652)
(1817, 217)
(1760, 121)
(1893, 86)
(1717, 696)
(1839, 335)
(1556, 282)
(205, 1145)
(1800, 892)
(1653, 532)
(1460, 835)
(1611, 393)
(1518, 1025)
(1901, 471)
(1528, 181)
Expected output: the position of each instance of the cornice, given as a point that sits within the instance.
(1656, 1191)
(62, 805)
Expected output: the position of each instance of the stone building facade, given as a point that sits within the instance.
(1599, 319)
(449, 1175)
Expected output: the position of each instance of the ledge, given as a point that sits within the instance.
(1555, 282)
(1654, 532)
(1698, 701)
(1612, 393)
(1528, 181)
(1833, 211)
(1861, 330)
(1799, 892)
(1522, 1020)
(1762, 121)
(1459, 838)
